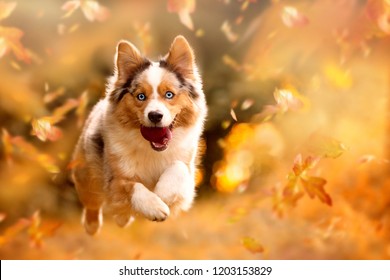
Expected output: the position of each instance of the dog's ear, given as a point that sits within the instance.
(128, 60)
(181, 58)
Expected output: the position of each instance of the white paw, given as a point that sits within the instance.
(148, 204)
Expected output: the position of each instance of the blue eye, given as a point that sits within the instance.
(141, 97)
(169, 95)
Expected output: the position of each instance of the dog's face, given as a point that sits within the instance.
(156, 97)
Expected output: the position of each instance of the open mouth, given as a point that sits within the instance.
(158, 137)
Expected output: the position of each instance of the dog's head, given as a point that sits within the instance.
(156, 97)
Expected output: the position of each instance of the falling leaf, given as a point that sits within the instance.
(314, 187)
(184, 8)
(44, 129)
(291, 17)
(227, 30)
(252, 245)
(247, 103)
(10, 41)
(233, 114)
(92, 10)
(229, 61)
(6, 9)
(325, 146)
(287, 99)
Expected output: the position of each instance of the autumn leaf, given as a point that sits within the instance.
(252, 245)
(184, 8)
(92, 10)
(233, 114)
(10, 41)
(247, 103)
(6, 9)
(325, 146)
(291, 17)
(51, 96)
(226, 28)
(60, 112)
(44, 129)
(314, 187)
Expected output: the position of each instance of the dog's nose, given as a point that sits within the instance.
(155, 116)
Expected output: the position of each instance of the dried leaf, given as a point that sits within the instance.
(314, 187)
(94, 11)
(247, 103)
(287, 99)
(6, 9)
(252, 245)
(233, 114)
(325, 146)
(227, 30)
(291, 17)
(10, 41)
(184, 8)
(44, 129)
(60, 112)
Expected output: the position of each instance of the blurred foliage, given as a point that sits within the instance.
(298, 133)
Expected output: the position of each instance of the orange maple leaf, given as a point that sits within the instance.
(252, 245)
(314, 187)
(92, 10)
(38, 230)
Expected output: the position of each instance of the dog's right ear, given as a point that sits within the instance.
(128, 60)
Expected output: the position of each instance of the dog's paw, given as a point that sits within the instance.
(148, 204)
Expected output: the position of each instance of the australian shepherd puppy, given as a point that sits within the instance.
(137, 152)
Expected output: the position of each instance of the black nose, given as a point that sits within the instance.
(155, 116)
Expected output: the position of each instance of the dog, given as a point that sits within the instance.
(137, 153)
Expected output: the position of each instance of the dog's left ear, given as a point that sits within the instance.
(181, 58)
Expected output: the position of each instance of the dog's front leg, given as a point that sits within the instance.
(126, 198)
(176, 187)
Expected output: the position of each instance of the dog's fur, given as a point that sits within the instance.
(119, 169)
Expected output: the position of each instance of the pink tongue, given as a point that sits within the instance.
(160, 135)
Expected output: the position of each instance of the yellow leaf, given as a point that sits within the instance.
(252, 245)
